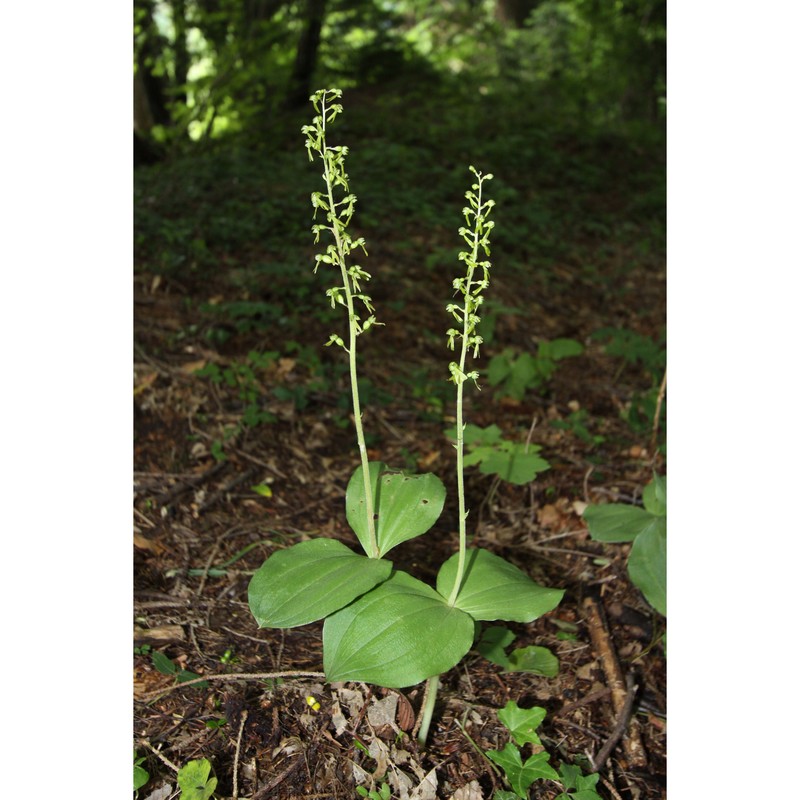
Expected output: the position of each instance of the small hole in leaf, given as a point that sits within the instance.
(375, 516)
(424, 501)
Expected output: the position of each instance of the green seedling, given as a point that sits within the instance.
(140, 774)
(195, 780)
(646, 410)
(514, 462)
(522, 724)
(166, 666)
(633, 348)
(382, 625)
(514, 373)
(538, 660)
(577, 423)
(578, 785)
(647, 529)
(241, 376)
(383, 793)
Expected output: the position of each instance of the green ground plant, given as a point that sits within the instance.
(513, 373)
(647, 410)
(647, 529)
(493, 645)
(195, 780)
(381, 625)
(522, 724)
(577, 423)
(383, 793)
(514, 462)
(166, 666)
(140, 774)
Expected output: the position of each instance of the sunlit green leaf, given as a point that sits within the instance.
(163, 663)
(522, 722)
(493, 643)
(195, 781)
(538, 660)
(520, 775)
(654, 496)
(404, 505)
(310, 580)
(494, 589)
(400, 633)
(618, 522)
(647, 566)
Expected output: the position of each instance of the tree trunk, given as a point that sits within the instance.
(151, 90)
(306, 58)
(515, 12)
(181, 51)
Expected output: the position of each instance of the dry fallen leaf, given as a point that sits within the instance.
(143, 543)
(193, 366)
(472, 791)
(145, 383)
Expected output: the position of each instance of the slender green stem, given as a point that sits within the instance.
(462, 508)
(468, 323)
(431, 690)
(352, 348)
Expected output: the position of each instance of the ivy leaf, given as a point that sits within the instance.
(522, 722)
(520, 775)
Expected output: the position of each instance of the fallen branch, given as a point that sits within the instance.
(236, 756)
(234, 676)
(601, 640)
(619, 728)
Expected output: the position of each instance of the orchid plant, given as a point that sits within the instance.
(382, 625)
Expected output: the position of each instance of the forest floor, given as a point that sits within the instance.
(244, 445)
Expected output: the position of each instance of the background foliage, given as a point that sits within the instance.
(208, 69)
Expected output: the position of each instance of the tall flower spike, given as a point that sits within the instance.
(476, 235)
(338, 213)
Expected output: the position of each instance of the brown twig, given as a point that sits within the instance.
(236, 756)
(159, 754)
(584, 701)
(167, 497)
(235, 676)
(601, 640)
(619, 728)
(264, 791)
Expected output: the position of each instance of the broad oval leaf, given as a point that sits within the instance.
(400, 633)
(405, 506)
(534, 658)
(618, 522)
(654, 496)
(310, 580)
(560, 348)
(493, 589)
(647, 566)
